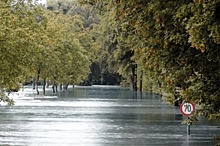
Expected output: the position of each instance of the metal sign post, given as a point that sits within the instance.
(187, 109)
(188, 126)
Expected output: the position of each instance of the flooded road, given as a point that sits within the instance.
(98, 116)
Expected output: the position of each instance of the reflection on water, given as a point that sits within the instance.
(98, 116)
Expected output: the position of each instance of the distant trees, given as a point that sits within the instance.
(63, 59)
(174, 45)
(100, 73)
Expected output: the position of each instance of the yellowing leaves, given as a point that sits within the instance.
(181, 36)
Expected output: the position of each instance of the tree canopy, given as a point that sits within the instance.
(175, 44)
(41, 44)
(18, 21)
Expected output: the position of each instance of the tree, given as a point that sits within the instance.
(18, 19)
(40, 44)
(88, 35)
(82, 31)
(61, 52)
(175, 43)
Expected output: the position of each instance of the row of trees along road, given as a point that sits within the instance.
(41, 44)
(174, 46)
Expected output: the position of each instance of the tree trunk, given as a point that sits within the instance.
(131, 82)
(160, 88)
(134, 77)
(61, 87)
(141, 81)
(53, 88)
(44, 86)
(66, 86)
(37, 80)
(135, 82)
(34, 83)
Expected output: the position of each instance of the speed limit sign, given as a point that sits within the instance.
(187, 108)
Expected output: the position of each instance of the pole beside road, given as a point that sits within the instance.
(187, 108)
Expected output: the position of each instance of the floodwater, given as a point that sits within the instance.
(98, 116)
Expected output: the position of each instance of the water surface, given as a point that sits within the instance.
(98, 116)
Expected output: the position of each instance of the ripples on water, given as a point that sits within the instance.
(98, 116)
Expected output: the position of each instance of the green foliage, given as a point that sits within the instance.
(80, 42)
(4, 98)
(18, 20)
(37, 43)
(9, 31)
(61, 52)
(90, 37)
(176, 43)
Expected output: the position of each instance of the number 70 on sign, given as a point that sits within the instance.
(187, 108)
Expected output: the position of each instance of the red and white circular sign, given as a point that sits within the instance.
(187, 108)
